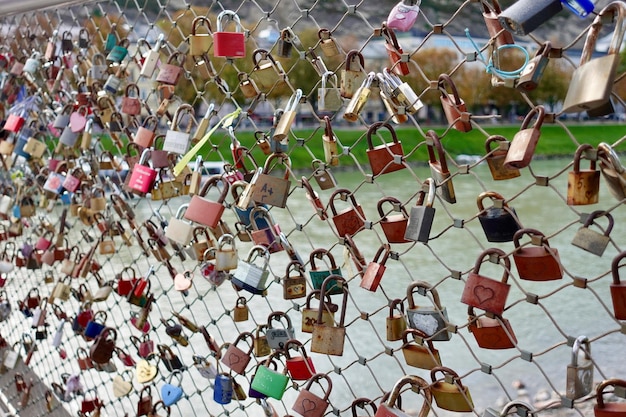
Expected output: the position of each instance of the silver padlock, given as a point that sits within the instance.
(249, 276)
(528, 410)
(580, 371)
(151, 59)
(533, 71)
(590, 240)
(329, 96)
(422, 215)
(278, 337)
(524, 16)
(402, 93)
(323, 176)
(433, 321)
(33, 63)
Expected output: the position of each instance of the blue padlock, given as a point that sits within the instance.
(244, 215)
(170, 393)
(223, 389)
(96, 325)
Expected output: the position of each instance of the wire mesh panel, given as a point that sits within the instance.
(184, 184)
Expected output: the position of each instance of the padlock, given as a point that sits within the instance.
(103, 346)
(524, 142)
(322, 175)
(178, 230)
(269, 382)
(314, 199)
(96, 325)
(418, 355)
(495, 158)
(537, 263)
(453, 106)
(247, 86)
(272, 190)
(261, 347)
(384, 158)
(603, 409)
(422, 215)
(393, 405)
(590, 240)
(171, 361)
(359, 98)
(401, 93)
(499, 222)
(264, 231)
(248, 275)
(452, 395)
(583, 186)
(532, 73)
(353, 252)
(394, 51)
(329, 97)
(327, 43)
(281, 132)
(308, 404)
(284, 44)
(309, 314)
(595, 97)
(171, 393)
(300, 367)
(618, 289)
(142, 176)
(243, 214)
(241, 311)
(226, 258)
(396, 110)
(491, 332)
(131, 103)
(235, 358)
(329, 140)
(278, 336)
(118, 52)
(520, 407)
(376, 269)
(267, 72)
(33, 63)
(439, 168)
(501, 37)
(152, 58)
(83, 359)
(204, 211)
(229, 44)
(353, 74)
(177, 141)
(484, 292)
(612, 170)
(327, 339)
(294, 286)
(525, 16)
(394, 226)
(433, 321)
(172, 70)
(579, 381)
(396, 324)
(200, 43)
(350, 220)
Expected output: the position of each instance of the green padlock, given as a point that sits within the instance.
(119, 51)
(270, 382)
(319, 275)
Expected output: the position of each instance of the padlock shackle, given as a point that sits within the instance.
(362, 402)
(430, 197)
(611, 382)
(298, 346)
(445, 371)
(264, 213)
(395, 304)
(201, 20)
(323, 34)
(492, 139)
(393, 201)
(374, 128)
(341, 283)
(350, 59)
(390, 36)
(441, 86)
(258, 250)
(277, 315)
(492, 195)
(234, 188)
(501, 256)
(518, 404)
(265, 55)
(540, 111)
(578, 155)
(432, 158)
(180, 111)
(212, 181)
(243, 336)
(422, 287)
(600, 213)
(610, 159)
(328, 131)
(615, 267)
(580, 340)
(241, 302)
(414, 381)
(316, 378)
(531, 232)
(225, 239)
(387, 249)
(307, 186)
(417, 333)
(285, 160)
(340, 192)
(294, 265)
(328, 302)
(618, 10)
(494, 7)
(231, 15)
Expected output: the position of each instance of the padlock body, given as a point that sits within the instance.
(453, 112)
(591, 85)
(490, 334)
(372, 277)
(499, 224)
(533, 72)
(583, 187)
(309, 404)
(522, 149)
(328, 340)
(200, 44)
(382, 158)
(223, 389)
(420, 223)
(229, 44)
(618, 297)
(485, 293)
(499, 172)
(300, 368)
(309, 318)
(350, 82)
(579, 379)
(394, 227)
(421, 357)
(349, 221)
(269, 382)
(449, 397)
(142, 178)
(395, 326)
(525, 16)
(444, 188)
(328, 99)
(536, 263)
(591, 241)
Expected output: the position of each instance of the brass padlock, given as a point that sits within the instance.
(200, 43)
(579, 380)
(592, 82)
(439, 168)
(359, 99)
(353, 74)
(433, 321)
(241, 311)
(247, 86)
(267, 72)
(401, 93)
(418, 355)
(449, 392)
(590, 240)
(328, 96)
(522, 148)
(327, 43)
(294, 286)
(583, 186)
(261, 347)
(281, 131)
(495, 158)
(532, 73)
(395, 323)
(329, 140)
(327, 339)
(499, 222)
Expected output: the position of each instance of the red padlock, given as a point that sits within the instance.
(300, 368)
(484, 292)
(142, 177)
(394, 226)
(618, 289)
(349, 221)
(539, 262)
(229, 44)
(376, 269)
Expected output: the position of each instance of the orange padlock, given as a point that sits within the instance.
(394, 226)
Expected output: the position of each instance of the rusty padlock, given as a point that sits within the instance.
(590, 240)
(537, 263)
(495, 158)
(350, 220)
(454, 107)
(384, 158)
(618, 289)
(439, 168)
(583, 186)
(522, 148)
(353, 74)
(327, 339)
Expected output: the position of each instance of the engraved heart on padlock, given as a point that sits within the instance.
(170, 394)
(182, 282)
(427, 324)
(308, 405)
(145, 371)
(483, 294)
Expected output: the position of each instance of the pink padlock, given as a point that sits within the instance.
(143, 176)
(403, 15)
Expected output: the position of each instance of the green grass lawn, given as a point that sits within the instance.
(306, 144)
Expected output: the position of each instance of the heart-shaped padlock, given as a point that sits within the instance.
(78, 121)
(146, 372)
(170, 393)
(182, 281)
(121, 386)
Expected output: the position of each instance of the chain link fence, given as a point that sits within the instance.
(82, 258)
